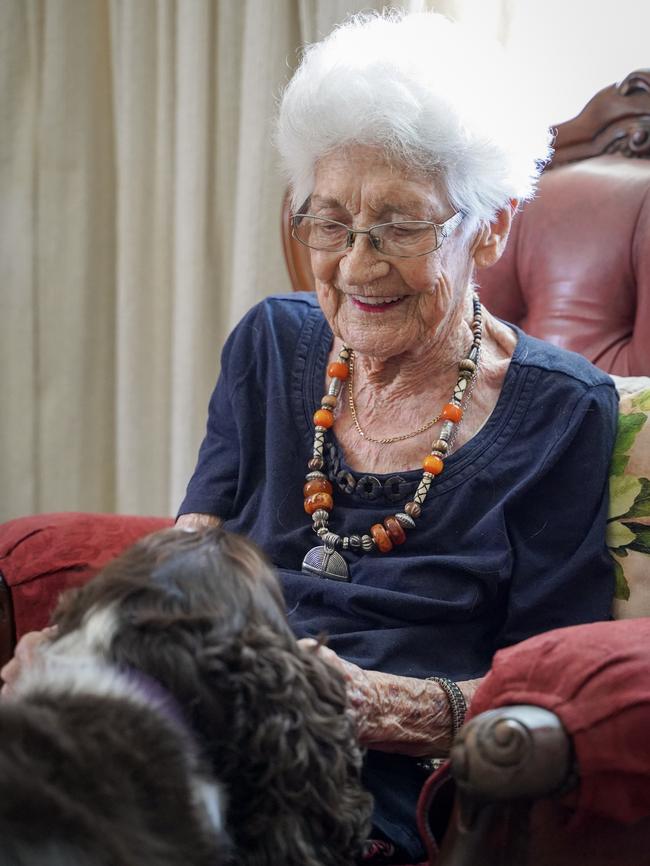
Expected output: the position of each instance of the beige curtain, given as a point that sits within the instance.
(139, 219)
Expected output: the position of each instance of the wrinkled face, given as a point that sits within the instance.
(377, 304)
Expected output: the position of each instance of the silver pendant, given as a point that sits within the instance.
(324, 561)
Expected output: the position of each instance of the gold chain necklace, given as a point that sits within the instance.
(325, 560)
(388, 440)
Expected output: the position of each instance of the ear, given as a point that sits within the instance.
(491, 240)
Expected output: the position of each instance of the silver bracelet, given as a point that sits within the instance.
(457, 707)
(457, 703)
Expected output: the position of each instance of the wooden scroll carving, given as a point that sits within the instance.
(502, 762)
(511, 753)
(615, 120)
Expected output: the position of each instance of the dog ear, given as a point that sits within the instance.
(287, 752)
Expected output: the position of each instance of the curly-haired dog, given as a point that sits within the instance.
(202, 614)
(95, 770)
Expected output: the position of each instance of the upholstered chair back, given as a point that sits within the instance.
(576, 270)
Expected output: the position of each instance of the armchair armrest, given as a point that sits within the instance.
(44, 554)
(511, 753)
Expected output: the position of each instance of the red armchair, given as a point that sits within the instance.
(576, 272)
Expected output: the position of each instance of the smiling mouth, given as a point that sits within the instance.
(375, 305)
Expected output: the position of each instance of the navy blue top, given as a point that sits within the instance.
(511, 541)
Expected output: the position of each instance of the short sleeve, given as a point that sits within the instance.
(563, 573)
(213, 485)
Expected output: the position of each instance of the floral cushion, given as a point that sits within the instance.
(628, 530)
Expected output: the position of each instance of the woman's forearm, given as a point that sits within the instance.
(394, 713)
(404, 714)
(197, 521)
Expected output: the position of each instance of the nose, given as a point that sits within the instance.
(362, 263)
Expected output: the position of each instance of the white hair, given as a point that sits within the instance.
(430, 93)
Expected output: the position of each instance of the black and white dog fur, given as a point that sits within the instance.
(201, 615)
(96, 769)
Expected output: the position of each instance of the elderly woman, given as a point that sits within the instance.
(453, 469)
(429, 481)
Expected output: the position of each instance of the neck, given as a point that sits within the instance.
(433, 359)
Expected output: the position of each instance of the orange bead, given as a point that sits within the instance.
(338, 370)
(433, 464)
(323, 418)
(318, 500)
(451, 412)
(317, 485)
(383, 542)
(394, 530)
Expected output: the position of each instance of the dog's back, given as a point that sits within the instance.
(93, 773)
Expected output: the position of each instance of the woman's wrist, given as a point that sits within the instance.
(411, 716)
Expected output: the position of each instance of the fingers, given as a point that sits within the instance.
(194, 522)
(25, 655)
(308, 643)
(8, 674)
(326, 654)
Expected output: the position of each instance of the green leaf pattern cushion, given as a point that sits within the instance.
(628, 527)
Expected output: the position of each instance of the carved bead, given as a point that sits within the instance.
(451, 412)
(355, 541)
(315, 463)
(318, 485)
(447, 430)
(338, 370)
(311, 475)
(394, 530)
(318, 500)
(440, 445)
(413, 509)
(381, 539)
(332, 539)
(323, 418)
(367, 543)
(328, 401)
(406, 521)
(320, 515)
(433, 464)
(467, 365)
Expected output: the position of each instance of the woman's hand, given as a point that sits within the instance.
(192, 522)
(25, 655)
(392, 713)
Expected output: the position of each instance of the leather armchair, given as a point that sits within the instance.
(576, 272)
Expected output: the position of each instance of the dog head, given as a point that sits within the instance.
(96, 770)
(202, 614)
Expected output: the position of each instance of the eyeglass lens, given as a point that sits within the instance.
(407, 237)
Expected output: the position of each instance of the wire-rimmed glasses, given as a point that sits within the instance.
(404, 238)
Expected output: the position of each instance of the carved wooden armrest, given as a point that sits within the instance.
(502, 762)
(512, 753)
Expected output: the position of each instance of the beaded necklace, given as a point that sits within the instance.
(324, 560)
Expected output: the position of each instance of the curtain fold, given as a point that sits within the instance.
(140, 204)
